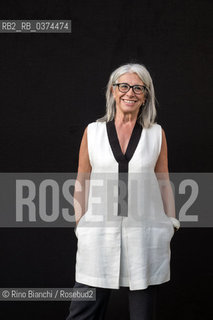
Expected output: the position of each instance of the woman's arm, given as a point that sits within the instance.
(162, 173)
(82, 181)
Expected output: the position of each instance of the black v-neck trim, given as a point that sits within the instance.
(123, 160)
(115, 145)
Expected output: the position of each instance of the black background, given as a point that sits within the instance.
(53, 85)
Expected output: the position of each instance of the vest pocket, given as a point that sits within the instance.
(76, 227)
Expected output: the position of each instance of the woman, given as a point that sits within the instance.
(130, 245)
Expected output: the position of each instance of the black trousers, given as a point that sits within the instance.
(142, 304)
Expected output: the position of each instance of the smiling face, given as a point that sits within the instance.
(128, 102)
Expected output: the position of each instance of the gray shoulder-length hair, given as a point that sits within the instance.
(147, 113)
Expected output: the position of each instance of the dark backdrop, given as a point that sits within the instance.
(53, 85)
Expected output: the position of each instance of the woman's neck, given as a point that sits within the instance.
(123, 118)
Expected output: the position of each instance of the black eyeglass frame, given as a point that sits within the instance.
(133, 87)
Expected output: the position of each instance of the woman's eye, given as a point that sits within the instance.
(124, 86)
(138, 88)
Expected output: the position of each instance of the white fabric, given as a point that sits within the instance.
(116, 251)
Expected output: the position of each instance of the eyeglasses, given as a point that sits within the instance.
(125, 87)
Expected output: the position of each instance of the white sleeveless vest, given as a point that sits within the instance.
(127, 244)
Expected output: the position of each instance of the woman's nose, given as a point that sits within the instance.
(130, 92)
